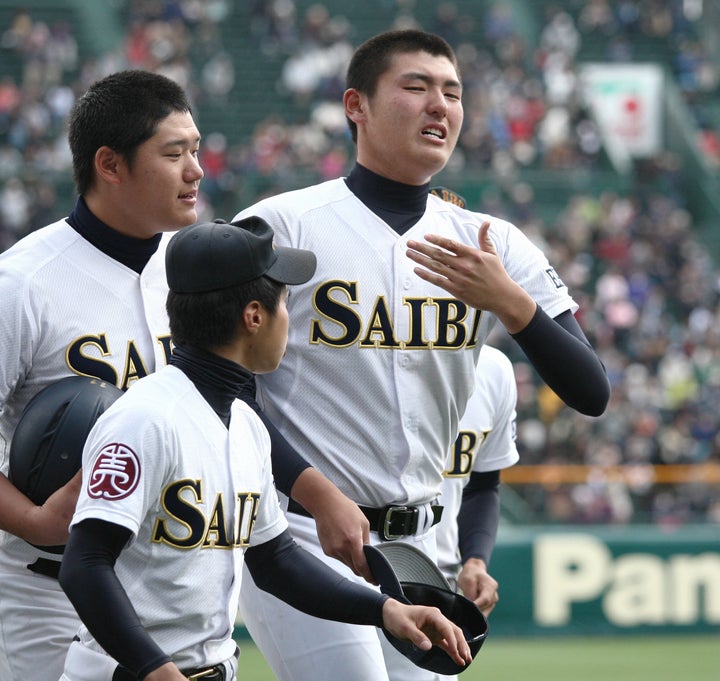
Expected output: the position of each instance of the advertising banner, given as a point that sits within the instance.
(589, 580)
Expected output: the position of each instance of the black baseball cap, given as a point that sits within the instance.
(407, 574)
(209, 256)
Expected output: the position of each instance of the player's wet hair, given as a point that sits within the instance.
(120, 111)
(374, 57)
(210, 320)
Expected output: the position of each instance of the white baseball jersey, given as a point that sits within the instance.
(380, 364)
(65, 308)
(379, 367)
(194, 494)
(486, 442)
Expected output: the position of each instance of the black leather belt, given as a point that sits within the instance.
(43, 566)
(390, 522)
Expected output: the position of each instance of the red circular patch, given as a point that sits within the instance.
(116, 473)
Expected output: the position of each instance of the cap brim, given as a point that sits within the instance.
(406, 573)
(292, 266)
(409, 564)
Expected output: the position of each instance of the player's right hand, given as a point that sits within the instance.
(342, 531)
(478, 585)
(341, 526)
(426, 626)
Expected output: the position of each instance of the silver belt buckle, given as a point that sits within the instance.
(387, 520)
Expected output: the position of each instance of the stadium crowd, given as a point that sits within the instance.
(648, 289)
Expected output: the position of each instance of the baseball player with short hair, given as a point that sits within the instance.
(381, 356)
(86, 296)
(178, 488)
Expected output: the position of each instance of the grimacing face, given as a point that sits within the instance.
(409, 128)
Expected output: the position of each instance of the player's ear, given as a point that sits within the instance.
(253, 316)
(107, 164)
(354, 103)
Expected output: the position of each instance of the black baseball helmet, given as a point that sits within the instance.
(407, 574)
(46, 448)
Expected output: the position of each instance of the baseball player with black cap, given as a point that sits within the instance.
(85, 296)
(381, 356)
(178, 489)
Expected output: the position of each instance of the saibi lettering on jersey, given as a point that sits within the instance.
(453, 326)
(187, 526)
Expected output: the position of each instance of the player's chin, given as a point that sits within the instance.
(184, 218)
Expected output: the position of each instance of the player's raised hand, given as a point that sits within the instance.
(426, 626)
(474, 275)
(478, 585)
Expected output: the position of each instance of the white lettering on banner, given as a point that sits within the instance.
(567, 568)
(634, 589)
(691, 576)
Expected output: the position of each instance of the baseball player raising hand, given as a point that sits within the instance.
(381, 355)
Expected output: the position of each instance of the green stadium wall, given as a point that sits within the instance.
(604, 580)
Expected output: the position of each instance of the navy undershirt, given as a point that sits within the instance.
(400, 205)
(130, 251)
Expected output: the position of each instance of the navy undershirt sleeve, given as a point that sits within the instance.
(479, 516)
(565, 360)
(89, 580)
(287, 463)
(294, 575)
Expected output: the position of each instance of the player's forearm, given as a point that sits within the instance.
(514, 307)
(42, 525)
(479, 517)
(560, 353)
(88, 578)
(294, 575)
(315, 493)
(16, 511)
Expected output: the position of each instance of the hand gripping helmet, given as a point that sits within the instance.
(46, 448)
(407, 574)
